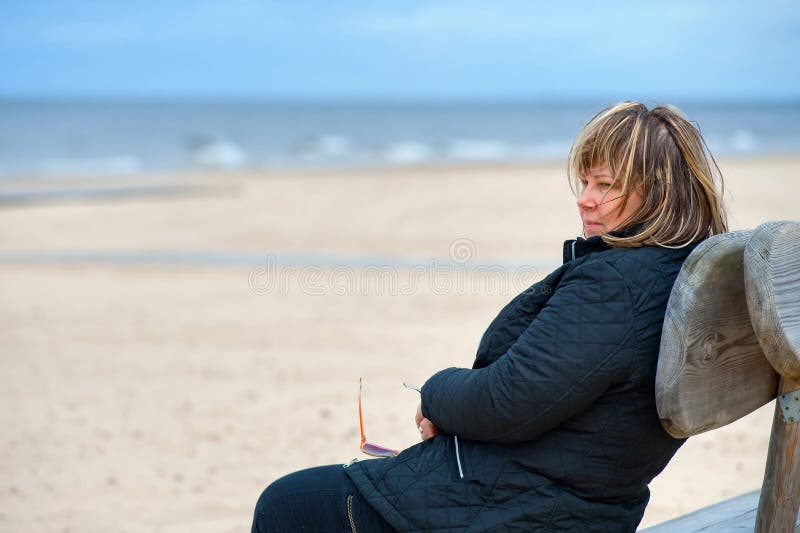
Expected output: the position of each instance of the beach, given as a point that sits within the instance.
(172, 346)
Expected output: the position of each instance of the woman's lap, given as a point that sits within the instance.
(319, 499)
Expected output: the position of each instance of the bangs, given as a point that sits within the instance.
(606, 140)
(610, 139)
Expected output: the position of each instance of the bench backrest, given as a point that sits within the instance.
(772, 282)
(711, 368)
(731, 343)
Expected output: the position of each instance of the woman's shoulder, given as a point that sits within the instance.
(643, 263)
(646, 265)
(657, 254)
(644, 268)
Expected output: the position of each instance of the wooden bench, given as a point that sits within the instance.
(731, 343)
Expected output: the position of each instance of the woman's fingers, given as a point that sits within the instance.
(427, 429)
(425, 426)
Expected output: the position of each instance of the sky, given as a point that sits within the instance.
(708, 50)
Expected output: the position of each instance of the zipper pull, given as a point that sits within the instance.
(458, 458)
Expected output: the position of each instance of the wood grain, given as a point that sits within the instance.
(735, 514)
(780, 492)
(772, 282)
(738, 514)
(711, 368)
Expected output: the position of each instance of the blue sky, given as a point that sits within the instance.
(404, 49)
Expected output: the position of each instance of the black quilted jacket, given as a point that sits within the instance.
(555, 426)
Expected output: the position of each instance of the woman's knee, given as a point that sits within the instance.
(272, 504)
(295, 498)
(264, 503)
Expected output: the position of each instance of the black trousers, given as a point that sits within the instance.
(321, 499)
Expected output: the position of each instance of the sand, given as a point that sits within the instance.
(165, 356)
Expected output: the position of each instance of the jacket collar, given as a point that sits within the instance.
(575, 248)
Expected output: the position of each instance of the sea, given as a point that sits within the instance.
(113, 138)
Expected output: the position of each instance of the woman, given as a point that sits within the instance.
(555, 427)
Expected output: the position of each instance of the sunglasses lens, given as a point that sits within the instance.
(376, 450)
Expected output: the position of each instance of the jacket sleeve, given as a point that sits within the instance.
(562, 362)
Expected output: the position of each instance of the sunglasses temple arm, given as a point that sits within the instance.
(360, 415)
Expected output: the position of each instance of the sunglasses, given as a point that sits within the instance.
(370, 448)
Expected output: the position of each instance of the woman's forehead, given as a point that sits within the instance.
(598, 171)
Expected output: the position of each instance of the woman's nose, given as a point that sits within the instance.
(586, 200)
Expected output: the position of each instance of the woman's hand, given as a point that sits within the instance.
(425, 426)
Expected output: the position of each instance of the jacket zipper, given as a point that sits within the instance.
(458, 458)
(573, 248)
(350, 514)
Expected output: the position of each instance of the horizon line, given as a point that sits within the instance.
(438, 100)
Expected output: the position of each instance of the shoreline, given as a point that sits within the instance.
(389, 169)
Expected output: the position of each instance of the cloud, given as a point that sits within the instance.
(461, 19)
(583, 30)
(143, 24)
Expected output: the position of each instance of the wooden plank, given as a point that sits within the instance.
(780, 493)
(711, 368)
(737, 514)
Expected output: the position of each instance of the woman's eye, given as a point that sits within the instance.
(604, 185)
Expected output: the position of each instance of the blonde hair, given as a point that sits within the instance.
(663, 155)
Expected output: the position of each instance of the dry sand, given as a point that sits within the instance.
(144, 394)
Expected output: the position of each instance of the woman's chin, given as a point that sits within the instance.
(592, 230)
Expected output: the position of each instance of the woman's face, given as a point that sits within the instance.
(599, 201)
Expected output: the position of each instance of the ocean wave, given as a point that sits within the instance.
(216, 153)
(329, 146)
(478, 150)
(407, 152)
(546, 151)
(743, 141)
